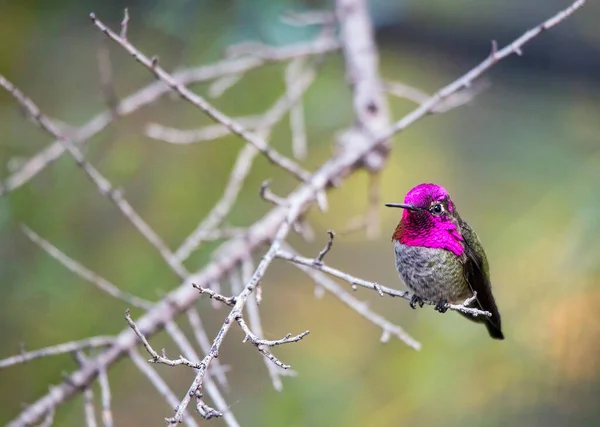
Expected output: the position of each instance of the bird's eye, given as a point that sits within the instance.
(436, 209)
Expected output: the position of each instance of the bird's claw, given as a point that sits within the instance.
(441, 306)
(414, 300)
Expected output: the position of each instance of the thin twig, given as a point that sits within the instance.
(202, 339)
(151, 64)
(230, 301)
(417, 96)
(243, 164)
(88, 275)
(297, 125)
(152, 92)
(252, 310)
(159, 384)
(107, 418)
(220, 86)
(88, 395)
(261, 344)
(69, 347)
(266, 193)
(88, 405)
(104, 186)
(315, 17)
(192, 136)
(326, 249)
(360, 307)
(188, 351)
(124, 24)
(156, 358)
(382, 290)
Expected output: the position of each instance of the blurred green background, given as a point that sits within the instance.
(522, 162)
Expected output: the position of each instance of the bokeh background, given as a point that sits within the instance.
(522, 162)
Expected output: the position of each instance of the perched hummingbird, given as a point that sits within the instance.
(439, 256)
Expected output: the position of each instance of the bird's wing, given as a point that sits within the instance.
(476, 270)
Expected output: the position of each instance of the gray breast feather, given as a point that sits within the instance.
(433, 274)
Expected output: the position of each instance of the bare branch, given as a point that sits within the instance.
(152, 92)
(401, 90)
(243, 164)
(355, 281)
(269, 196)
(202, 340)
(88, 405)
(107, 418)
(252, 309)
(319, 259)
(104, 186)
(360, 307)
(192, 136)
(230, 301)
(88, 275)
(159, 384)
(156, 358)
(88, 395)
(188, 350)
(69, 347)
(220, 86)
(124, 24)
(316, 17)
(271, 154)
(297, 126)
(261, 344)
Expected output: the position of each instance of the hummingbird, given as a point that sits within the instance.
(440, 257)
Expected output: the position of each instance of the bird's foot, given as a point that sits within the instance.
(414, 300)
(441, 306)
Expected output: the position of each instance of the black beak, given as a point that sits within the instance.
(403, 206)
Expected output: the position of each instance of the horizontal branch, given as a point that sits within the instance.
(381, 290)
(388, 328)
(55, 350)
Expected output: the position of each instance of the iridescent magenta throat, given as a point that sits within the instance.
(431, 232)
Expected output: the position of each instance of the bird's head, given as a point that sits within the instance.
(429, 219)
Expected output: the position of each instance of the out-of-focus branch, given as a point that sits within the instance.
(107, 418)
(69, 347)
(114, 291)
(104, 186)
(382, 290)
(297, 125)
(243, 164)
(370, 104)
(88, 275)
(192, 136)
(159, 384)
(154, 91)
(388, 328)
(152, 65)
(276, 370)
(202, 340)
